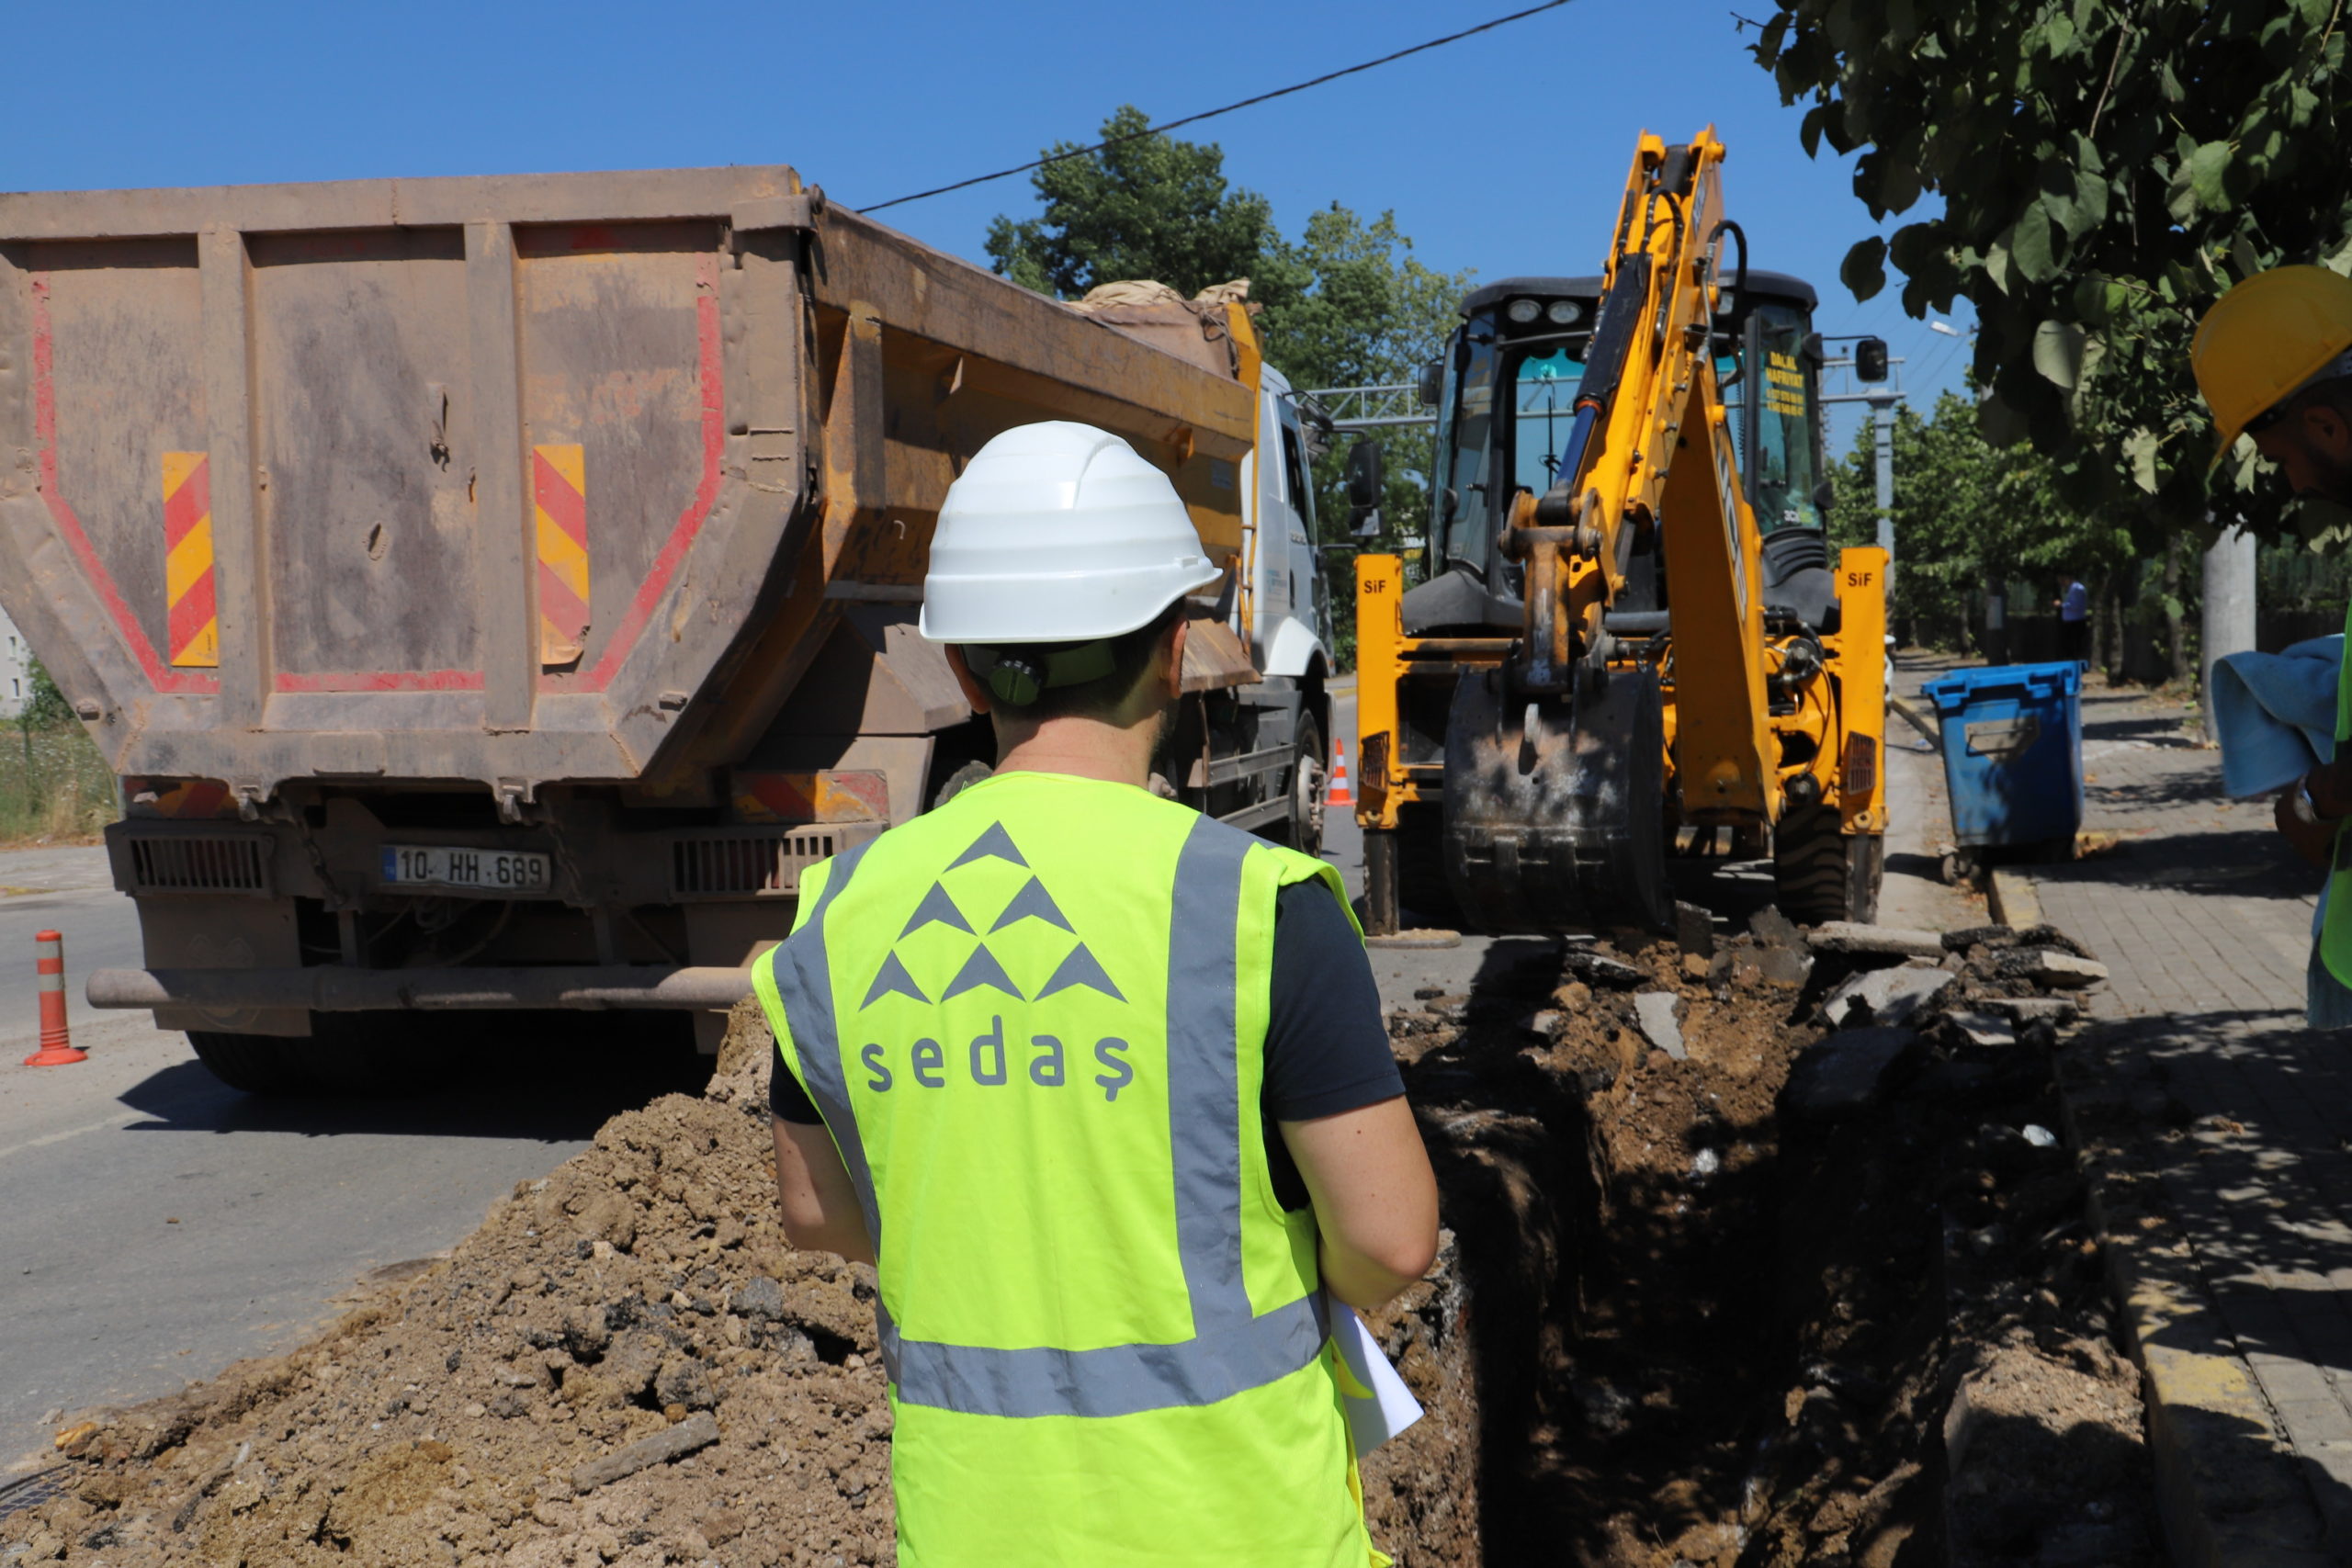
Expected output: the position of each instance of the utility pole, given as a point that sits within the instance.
(2229, 619)
(1883, 420)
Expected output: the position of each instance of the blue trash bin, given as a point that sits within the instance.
(2013, 752)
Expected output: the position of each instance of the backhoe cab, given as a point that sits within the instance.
(1631, 621)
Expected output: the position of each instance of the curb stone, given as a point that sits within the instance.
(2228, 1483)
(1928, 728)
(2009, 893)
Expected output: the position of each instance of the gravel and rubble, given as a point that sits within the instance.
(625, 1364)
(1817, 1289)
(1683, 1314)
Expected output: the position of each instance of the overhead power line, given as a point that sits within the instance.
(1212, 114)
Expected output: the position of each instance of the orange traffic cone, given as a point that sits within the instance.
(56, 1046)
(1341, 793)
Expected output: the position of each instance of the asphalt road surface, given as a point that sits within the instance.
(158, 1225)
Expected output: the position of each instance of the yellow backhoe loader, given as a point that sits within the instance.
(1632, 621)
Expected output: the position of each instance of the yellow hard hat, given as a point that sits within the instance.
(2267, 338)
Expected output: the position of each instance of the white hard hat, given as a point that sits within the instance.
(1058, 531)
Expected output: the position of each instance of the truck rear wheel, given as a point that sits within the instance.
(1304, 829)
(1820, 873)
(256, 1064)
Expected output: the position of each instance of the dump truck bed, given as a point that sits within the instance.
(503, 480)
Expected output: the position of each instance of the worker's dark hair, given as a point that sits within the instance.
(1012, 672)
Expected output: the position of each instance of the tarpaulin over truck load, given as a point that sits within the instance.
(503, 480)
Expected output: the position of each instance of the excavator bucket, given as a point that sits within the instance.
(1554, 817)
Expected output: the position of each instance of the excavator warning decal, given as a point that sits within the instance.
(192, 623)
(1727, 492)
(560, 497)
(1783, 385)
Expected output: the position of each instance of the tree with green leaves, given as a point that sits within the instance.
(2107, 168)
(1141, 207)
(1969, 514)
(1345, 305)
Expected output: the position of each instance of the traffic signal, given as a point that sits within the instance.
(1869, 359)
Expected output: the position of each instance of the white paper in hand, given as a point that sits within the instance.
(1378, 1403)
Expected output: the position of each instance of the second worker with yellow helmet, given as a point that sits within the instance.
(2274, 361)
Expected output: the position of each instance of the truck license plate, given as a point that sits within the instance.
(441, 865)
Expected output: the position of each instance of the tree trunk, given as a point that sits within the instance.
(2107, 651)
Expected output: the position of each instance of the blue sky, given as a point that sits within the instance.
(1505, 153)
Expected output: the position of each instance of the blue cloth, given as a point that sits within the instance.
(2275, 718)
(2077, 604)
(2275, 714)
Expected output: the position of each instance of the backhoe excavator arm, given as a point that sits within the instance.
(1648, 405)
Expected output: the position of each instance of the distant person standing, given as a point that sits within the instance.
(2075, 620)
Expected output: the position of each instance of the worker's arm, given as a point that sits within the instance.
(814, 1195)
(1376, 1199)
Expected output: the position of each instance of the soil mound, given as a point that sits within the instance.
(1757, 1256)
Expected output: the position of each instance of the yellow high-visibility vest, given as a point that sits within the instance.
(1034, 1021)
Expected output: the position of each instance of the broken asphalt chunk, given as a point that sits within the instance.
(2049, 967)
(696, 1431)
(1594, 970)
(2032, 1010)
(1845, 1072)
(1984, 1028)
(1654, 1012)
(1892, 996)
(1847, 936)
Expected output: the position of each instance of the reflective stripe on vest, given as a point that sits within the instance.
(1232, 1349)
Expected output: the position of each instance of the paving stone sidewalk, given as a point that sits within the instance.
(2216, 1128)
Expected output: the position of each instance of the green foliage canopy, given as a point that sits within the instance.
(2107, 170)
(1967, 513)
(1145, 206)
(45, 706)
(1346, 304)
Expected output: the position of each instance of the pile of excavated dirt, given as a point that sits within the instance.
(625, 1364)
(1751, 1290)
(1723, 1286)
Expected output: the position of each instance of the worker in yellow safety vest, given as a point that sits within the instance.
(2274, 359)
(1098, 1084)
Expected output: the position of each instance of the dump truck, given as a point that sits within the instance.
(1634, 633)
(494, 593)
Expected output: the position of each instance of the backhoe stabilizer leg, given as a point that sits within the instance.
(1557, 823)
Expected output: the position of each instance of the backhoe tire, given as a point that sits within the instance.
(254, 1063)
(1820, 873)
(1422, 890)
(1303, 829)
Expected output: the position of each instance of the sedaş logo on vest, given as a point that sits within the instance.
(989, 1061)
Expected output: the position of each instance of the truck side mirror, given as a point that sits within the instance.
(1432, 382)
(1365, 478)
(1869, 359)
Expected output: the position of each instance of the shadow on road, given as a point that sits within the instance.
(552, 1086)
(2236, 863)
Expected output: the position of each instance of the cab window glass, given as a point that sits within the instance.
(1295, 481)
(1545, 389)
(1780, 471)
(1465, 428)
